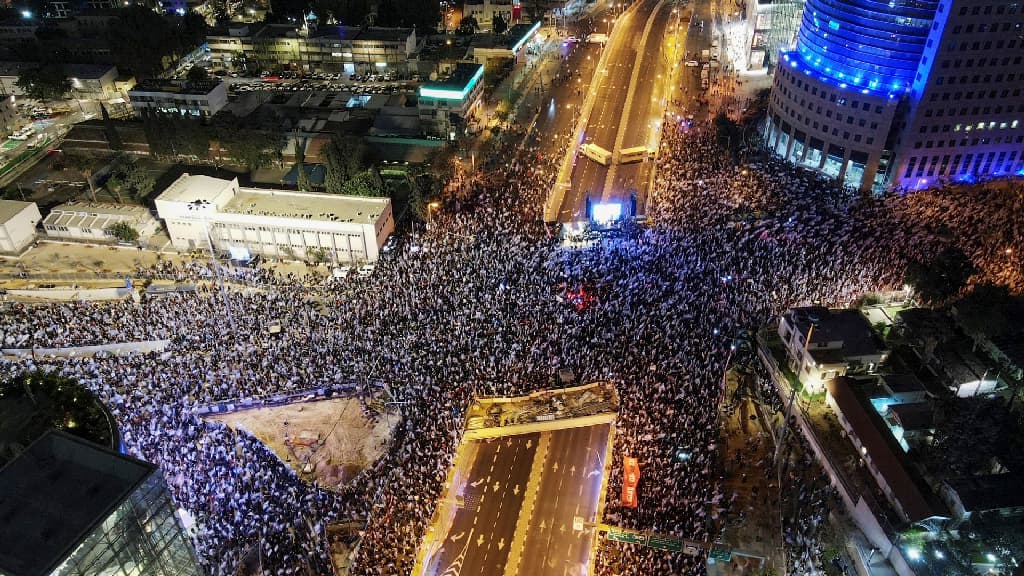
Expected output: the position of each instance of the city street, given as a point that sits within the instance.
(514, 505)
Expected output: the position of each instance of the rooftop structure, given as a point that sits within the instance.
(201, 211)
(841, 342)
(457, 86)
(90, 221)
(72, 507)
(17, 225)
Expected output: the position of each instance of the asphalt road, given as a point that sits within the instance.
(481, 532)
(611, 89)
(570, 487)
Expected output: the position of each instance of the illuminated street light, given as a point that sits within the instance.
(914, 554)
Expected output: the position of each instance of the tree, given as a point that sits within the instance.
(343, 157)
(365, 183)
(144, 43)
(468, 26)
(45, 82)
(499, 25)
(253, 149)
(84, 165)
(128, 175)
(982, 312)
(969, 433)
(197, 73)
(941, 278)
(123, 231)
(302, 178)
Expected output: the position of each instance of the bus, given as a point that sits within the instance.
(637, 154)
(596, 153)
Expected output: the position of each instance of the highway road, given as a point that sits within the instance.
(479, 537)
(619, 120)
(570, 487)
(610, 88)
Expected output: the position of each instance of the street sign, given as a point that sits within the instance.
(721, 554)
(577, 523)
(665, 543)
(627, 536)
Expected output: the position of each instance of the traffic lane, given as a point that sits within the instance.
(480, 533)
(570, 487)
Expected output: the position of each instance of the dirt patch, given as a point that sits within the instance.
(330, 441)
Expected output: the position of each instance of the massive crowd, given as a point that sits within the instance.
(477, 304)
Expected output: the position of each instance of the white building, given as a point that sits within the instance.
(201, 98)
(447, 106)
(91, 221)
(202, 210)
(17, 225)
(484, 12)
(841, 342)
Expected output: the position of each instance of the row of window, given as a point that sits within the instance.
(954, 165)
(824, 128)
(969, 142)
(832, 97)
(983, 28)
(981, 94)
(999, 8)
(969, 127)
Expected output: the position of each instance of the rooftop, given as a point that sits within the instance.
(462, 80)
(915, 416)
(903, 383)
(916, 500)
(100, 208)
(190, 188)
(848, 326)
(88, 71)
(55, 493)
(195, 87)
(11, 208)
(306, 205)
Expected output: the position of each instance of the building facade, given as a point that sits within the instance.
(197, 99)
(908, 94)
(966, 115)
(73, 508)
(91, 221)
(17, 225)
(484, 11)
(202, 212)
(446, 107)
(332, 49)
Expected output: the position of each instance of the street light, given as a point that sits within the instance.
(430, 214)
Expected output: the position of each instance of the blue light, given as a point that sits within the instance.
(877, 44)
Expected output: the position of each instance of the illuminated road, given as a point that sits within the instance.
(481, 532)
(519, 497)
(571, 487)
(622, 117)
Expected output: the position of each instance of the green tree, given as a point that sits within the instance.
(969, 433)
(365, 183)
(942, 277)
(129, 176)
(499, 25)
(468, 26)
(123, 231)
(85, 165)
(982, 312)
(302, 178)
(197, 73)
(45, 82)
(145, 43)
(343, 158)
(253, 149)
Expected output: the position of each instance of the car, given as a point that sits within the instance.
(692, 63)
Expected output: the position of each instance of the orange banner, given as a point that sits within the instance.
(630, 479)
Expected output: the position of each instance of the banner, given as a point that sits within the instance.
(630, 479)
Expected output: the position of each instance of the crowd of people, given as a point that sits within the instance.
(478, 304)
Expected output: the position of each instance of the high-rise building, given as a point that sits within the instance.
(874, 90)
(73, 508)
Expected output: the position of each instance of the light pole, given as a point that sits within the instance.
(430, 214)
(201, 207)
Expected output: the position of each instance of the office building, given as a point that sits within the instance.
(908, 94)
(331, 49)
(202, 211)
(447, 106)
(73, 508)
(196, 99)
(484, 11)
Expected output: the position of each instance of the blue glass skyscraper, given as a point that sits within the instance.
(865, 43)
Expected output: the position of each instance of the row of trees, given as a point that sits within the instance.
(172, 136)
